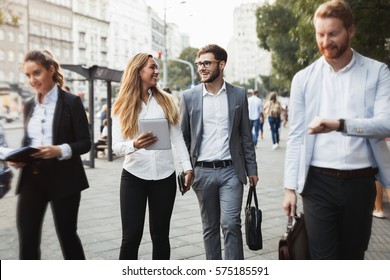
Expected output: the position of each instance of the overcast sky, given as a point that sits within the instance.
(205, 21)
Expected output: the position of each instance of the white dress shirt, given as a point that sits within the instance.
(40, 125)
(335, 150)
(150, 164)
(215, 134)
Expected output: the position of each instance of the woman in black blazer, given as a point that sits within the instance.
(55, 122)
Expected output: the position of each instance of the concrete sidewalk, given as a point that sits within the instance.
(100, 225)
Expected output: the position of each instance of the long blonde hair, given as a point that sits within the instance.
(128, 103)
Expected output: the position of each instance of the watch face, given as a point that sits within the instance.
(341, 126)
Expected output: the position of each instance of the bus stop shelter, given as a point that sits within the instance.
(91, 74)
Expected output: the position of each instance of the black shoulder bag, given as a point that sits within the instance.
(253, 219)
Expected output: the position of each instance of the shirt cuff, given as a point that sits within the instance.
(66, 152)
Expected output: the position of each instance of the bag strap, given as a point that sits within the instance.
(252, 193)
(291, 221)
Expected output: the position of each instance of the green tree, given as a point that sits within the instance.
(286, 29)
(179, 73)
(7, 16)
(274, 23)
(372, 19)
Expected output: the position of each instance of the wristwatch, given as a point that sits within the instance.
(341, 126)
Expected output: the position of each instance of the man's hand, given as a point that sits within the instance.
(253, 180)
(290, 202)
(321, 125)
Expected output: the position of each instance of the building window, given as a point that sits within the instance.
(22, 78)
(11, 56)
(20, 58)
(82, 37)
(10, 36)
(11, 76)
(21, 39)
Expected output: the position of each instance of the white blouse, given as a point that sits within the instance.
(150, 164)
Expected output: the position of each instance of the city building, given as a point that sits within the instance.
(247, 61)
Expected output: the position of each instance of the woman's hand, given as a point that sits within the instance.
(47, 152)
(189, 175)
(144, 140)
(16, 164)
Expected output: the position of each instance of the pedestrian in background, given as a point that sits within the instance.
(255, 108)
(378, 210)
(273, 110)
(5, 171)
(339, 117)
(148, 176)
(216, 129)
(55, 122)
(103, 116)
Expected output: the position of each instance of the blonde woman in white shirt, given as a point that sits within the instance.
(148, 176)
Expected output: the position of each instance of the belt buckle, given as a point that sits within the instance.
(214, 165)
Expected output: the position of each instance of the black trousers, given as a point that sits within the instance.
(31, 208)
(338, 215)
(160, 196)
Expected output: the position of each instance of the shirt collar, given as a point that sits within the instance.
(345, 69)
(222, 89)
(51, 96)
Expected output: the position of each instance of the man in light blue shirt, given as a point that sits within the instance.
(255, 107)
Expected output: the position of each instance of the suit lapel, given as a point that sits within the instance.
(232, 104)
(358, 82)
(197, 119)
(313, 94)
(57, 114)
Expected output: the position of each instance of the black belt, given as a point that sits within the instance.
(346, 174)
(214, 164)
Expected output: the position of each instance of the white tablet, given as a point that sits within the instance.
(160, 128)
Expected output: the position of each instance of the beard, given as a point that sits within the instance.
(335, 51)
(212, 76)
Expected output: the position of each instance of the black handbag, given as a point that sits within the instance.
(5, 180)
(253, 219)
(293, 244)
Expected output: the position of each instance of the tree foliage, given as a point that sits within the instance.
(286, 29)
(7, 15)
(179, 76)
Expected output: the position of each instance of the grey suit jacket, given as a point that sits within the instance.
(240, 135)
(371, 84)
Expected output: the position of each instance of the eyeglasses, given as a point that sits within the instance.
(206, 63)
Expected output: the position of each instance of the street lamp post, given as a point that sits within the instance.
(165, 53)
(191, 68)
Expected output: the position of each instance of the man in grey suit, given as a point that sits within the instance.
(216, 129)
(339, 117)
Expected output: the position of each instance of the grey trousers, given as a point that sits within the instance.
(219, 193)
